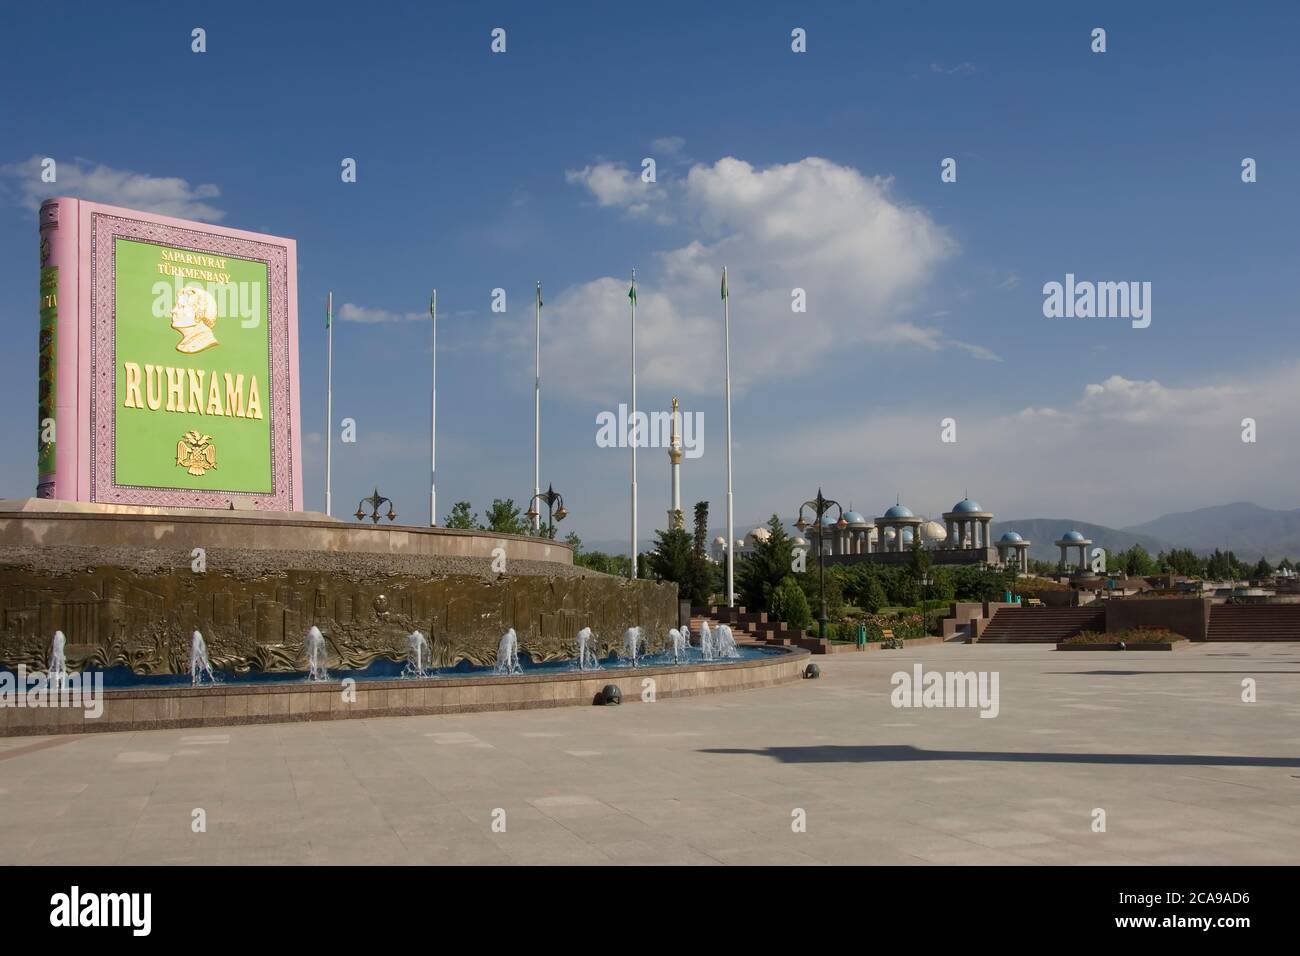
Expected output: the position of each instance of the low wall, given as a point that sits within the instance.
(28, 522)
(1189, 617)
(1055, 597)
(224, 705)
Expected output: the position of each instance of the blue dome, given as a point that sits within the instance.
(1011, 537)
(1072, 536)
(899, 511)
(852, 517)
(966, 506)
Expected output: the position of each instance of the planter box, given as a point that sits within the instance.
(1164, 646)
(875, 645)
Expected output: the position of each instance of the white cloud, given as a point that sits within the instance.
(164, 195)
(618, 186)
(349, 312)
(1124, 452)
(1119, 399)
(668, 145)
(862, 256)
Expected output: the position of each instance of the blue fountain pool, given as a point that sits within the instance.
(385, 669)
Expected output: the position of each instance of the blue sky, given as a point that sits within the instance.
(818, 170)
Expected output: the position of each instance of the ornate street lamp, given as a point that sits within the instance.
(820, 506)
(374, 501)
(553, 514)
(926, 580)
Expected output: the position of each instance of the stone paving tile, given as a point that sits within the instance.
(715, 780)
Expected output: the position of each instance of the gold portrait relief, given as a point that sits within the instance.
(194, 316)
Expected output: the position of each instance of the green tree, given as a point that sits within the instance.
(461, 518)
(943, 588)
(973, 583)
(1182, 561)
(504, 518)
(671, 559)
(874, 597)
(811, 583)
(790, 604)
(761, 571)
(703, 571)
(615, 564)
(1134, 562)
(701, 541)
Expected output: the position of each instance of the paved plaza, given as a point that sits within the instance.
(1185, 771)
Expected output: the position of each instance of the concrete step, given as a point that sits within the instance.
(1041, 625)
(1254, 622)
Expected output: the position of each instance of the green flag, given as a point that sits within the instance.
(724, 283)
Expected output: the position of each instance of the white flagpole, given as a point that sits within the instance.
(537, 413)
(731, 529)
(433, 419)
(329, 399)
(633, 420)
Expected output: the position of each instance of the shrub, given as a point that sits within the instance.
(1133, 635)
(905, 626)
(789, 604)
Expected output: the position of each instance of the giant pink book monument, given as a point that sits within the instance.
(168, 362)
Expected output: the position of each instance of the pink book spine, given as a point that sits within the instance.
(56, 424)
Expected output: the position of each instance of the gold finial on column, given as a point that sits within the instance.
(674, 441)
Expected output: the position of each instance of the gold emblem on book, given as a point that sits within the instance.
(194, 316)
(196, 453)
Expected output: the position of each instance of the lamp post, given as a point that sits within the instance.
(820, 506)
(551, 497)
(926, 581)
(374, 501)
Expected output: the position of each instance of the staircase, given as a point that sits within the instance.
(755, 628)
(1041, 625)
(1255, 622)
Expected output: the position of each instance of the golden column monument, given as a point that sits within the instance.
(675, 516)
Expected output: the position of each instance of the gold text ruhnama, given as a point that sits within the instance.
(194, 390)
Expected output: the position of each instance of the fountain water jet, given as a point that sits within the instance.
(632, 641)
(417, 655)
(508, 653)
(315, 646)
(587, 660)
(58, 669)
(706, 641)
(677, 644)
(199, 663)
(725, 645)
